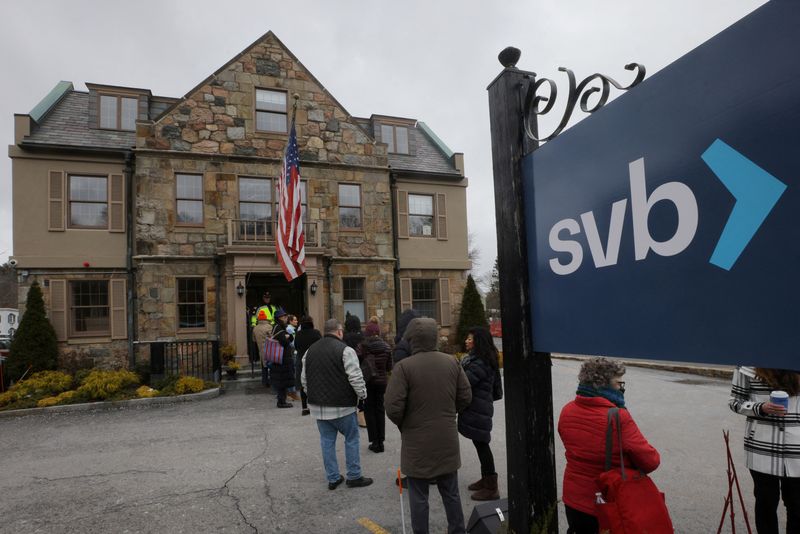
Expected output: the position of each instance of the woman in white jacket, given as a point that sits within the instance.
(771, 442)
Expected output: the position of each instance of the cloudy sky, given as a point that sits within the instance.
(429, 60)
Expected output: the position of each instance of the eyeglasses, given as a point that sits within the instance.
(621, 385)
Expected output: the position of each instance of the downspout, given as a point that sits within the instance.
(329, 276)
(130, 160)
(393, 194)
(218, 291)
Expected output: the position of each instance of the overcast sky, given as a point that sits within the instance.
(429, 60)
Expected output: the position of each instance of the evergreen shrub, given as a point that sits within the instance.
(34, 345)
(472, 312)
(102, 385)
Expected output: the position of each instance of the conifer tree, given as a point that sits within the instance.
(35, 343)
(472, 312)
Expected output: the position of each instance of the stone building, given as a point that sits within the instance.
(153, 218)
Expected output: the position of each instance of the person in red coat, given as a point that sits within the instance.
(582, 427)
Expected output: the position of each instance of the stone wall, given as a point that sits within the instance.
(458, 280)
(219, 116)
(378, 291)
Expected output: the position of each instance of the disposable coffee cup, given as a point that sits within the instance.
(780, 397)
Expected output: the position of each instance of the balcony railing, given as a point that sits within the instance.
(244, 232)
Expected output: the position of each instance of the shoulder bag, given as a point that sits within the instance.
(273, 350)
(631, 502)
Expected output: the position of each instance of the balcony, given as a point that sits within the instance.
(263, 232)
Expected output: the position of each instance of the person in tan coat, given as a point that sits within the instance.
(424, 395)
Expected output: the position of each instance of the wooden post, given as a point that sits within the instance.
(528, 380)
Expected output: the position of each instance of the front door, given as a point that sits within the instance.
(289, 296)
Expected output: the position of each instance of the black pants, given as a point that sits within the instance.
(486, 458)
(418, 502)
(580, 522)
(281, 395)
(374, 413)
(304, 398)
(768, 490)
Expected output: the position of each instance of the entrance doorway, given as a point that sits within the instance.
(290, 296)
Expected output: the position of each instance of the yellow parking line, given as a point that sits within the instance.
(372, 526)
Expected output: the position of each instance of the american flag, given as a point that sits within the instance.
(291, 239)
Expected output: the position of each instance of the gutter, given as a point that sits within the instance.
(218, 291)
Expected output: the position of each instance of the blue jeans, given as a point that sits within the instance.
(328, 430)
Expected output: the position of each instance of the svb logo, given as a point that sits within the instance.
(755, 190)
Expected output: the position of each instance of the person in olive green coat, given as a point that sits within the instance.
(424, 395)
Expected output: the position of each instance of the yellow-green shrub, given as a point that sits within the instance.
(144, 392)
(189, 384)
(100, 385)
(41, 384)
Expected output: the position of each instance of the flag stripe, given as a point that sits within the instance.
(290, 241)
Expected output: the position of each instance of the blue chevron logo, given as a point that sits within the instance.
(756, 193)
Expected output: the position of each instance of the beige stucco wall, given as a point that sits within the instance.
(34, 245)
(430, 252)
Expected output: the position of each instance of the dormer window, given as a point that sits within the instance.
(118, 112)
(271, 111)
(396, 137)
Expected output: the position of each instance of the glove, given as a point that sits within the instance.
(360, 405)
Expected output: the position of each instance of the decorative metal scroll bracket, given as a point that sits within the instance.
(536, 104)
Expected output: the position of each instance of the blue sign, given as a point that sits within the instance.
(667, 224)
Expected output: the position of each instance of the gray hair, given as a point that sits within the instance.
(332, 326)
(598, 372)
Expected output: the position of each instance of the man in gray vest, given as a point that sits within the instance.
(334, 384)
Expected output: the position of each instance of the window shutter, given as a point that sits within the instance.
(405, 295)
(119, 319)
(402, 214)
(444, 302)
(55, 204)
(58, 308)
(116, 203)
(441, 216)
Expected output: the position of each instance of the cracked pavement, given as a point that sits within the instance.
(238, 464)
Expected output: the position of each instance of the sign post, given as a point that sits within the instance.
(528, 381)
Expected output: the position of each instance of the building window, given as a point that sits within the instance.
(396, 137)
(353, 297)
(89, 308)
(118, 112)
(88, 202)
(303, 200)
(423, 297)
(349, 206)
(11, 319)
(271, 111)
(191, 303)
(255, 207)
(189, 199)
(420, 216)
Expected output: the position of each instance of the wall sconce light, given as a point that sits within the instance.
(313, 287)
(240, 290)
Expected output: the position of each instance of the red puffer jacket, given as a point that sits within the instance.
(582, 427)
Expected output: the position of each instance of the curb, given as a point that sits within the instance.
(113, 405)
(711, 372)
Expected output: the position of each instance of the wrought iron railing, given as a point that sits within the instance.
(263, 232)
(186, 357)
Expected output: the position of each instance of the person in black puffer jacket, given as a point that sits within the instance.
(401, 346)
(352, 332)
(475, 422)
(306, 336)
(282, 375)
(376, 355)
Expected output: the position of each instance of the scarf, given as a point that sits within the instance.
(610, 394)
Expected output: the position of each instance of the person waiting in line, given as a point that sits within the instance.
(353, 336)
(423, 397)
(282, 374)
(582, 427)
(475, 422)
(401, 348)
(291, 329)
(771, 442)
(306, 336)
(376, 356)
(332, 377)
(263, 321)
